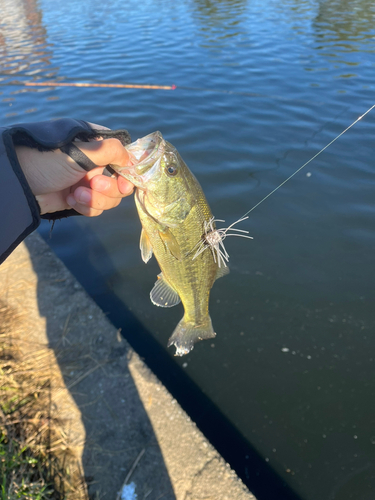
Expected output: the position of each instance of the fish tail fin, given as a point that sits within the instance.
(187, 333)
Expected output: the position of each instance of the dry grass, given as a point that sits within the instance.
(35, 460)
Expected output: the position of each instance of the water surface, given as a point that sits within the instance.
(261, 87)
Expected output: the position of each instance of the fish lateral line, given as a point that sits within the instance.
(305, 164)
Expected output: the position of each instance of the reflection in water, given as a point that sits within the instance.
(336, 32)
(346, 21)
(23, 47)
(219, 19)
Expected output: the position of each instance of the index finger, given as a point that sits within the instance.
(105, 152)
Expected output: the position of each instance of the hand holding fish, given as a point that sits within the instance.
(59, 183)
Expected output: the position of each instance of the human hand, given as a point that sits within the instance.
(58, 183)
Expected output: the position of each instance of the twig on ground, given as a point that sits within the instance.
(130, 473)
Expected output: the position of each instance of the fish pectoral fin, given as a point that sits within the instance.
(163, 295)
(145, 246)
(221, 271)
(170, 242)
(187, 334)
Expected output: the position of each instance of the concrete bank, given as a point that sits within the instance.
(122, 428)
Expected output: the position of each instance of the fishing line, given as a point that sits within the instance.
(305, 164)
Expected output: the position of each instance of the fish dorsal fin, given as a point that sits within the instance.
(170, 242)
(221, 271)
(163, 295)
(145, 246)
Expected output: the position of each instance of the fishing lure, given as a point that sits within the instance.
(213, 239)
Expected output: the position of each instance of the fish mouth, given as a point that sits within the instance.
(145, 154)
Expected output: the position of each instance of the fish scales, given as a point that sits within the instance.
(192, 279)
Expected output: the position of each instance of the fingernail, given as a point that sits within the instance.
(127, 190)
(102, 184)
(85, 197)
(125, 187)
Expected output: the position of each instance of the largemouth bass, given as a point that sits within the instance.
(175, 217)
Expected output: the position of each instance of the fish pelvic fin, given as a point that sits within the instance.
(186, 334)
(145, 246)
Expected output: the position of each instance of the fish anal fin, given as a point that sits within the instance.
(163, 295)
(222, 271)
(186, 334)
(145, 246)
(170, 242)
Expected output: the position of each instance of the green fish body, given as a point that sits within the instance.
(174, 214)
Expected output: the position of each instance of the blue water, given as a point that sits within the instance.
(262, 86)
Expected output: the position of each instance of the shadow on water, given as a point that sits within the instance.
(116, 426)
(250, 466)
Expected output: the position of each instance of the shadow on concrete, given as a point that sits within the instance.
(93, 360)
(248, 463)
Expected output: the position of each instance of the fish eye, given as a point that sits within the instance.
(171, 169)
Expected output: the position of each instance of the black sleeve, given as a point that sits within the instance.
(19, 210)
